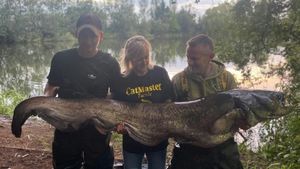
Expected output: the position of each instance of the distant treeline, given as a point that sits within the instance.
(29, 20)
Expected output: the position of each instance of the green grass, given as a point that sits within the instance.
(8, 101)
(252, 160)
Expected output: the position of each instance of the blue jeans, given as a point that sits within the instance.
(156, 160)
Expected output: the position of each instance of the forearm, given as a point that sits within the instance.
(50, 90)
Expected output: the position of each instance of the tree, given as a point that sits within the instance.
(250, 30)
(123, 19)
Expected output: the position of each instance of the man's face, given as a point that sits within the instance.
(89, 40)
(199, 55)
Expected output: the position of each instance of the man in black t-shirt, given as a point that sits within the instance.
(83, 72)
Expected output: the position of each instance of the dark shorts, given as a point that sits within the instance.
(85, 147)
(224, 156)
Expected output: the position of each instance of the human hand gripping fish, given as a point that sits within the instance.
(205, 122)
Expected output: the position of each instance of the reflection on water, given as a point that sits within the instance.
(24, 67)
(259, 75)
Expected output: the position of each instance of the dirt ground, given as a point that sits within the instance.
(33, 149)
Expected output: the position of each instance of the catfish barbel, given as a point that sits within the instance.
(205, 122)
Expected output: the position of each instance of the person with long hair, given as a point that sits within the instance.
(142, 82)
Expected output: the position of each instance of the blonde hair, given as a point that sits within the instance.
(135, 47)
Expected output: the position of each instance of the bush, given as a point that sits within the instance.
(8, 100)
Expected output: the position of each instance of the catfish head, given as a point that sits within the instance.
(250, 108)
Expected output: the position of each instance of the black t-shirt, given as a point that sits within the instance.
(80, 77)
(154, 87)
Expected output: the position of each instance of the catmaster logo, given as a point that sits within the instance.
(143, 89)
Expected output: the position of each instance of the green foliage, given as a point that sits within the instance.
(34, 20)
(186, 22)
(282, 146)
(250, 31)
(124, 20)
(220, 25)
(250, 159)
(243, 32)
(8, 101)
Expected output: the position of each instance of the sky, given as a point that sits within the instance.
(200, 7)
(203, 4)
(197, 8)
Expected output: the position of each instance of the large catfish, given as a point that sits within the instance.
(205, 122)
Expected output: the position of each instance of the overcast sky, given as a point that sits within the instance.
(200, 7)
(197, 8)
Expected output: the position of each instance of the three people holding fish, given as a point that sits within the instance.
(86, 72)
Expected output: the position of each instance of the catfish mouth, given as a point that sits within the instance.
(277, 97)
(279, 104)
(281, 99)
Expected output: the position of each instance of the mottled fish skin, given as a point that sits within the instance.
(205, 122)
(258, 105)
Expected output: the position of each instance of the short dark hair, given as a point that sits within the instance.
(89, 18)
(201, 39)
